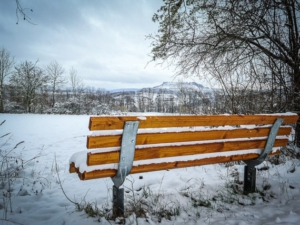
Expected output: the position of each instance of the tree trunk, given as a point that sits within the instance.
(1, 100)
(297, 107)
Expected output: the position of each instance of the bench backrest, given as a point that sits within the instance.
(167, 142)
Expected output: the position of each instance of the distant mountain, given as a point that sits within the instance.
(174, 86)
(124, 90)
(170, 87)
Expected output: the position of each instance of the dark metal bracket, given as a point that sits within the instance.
(250, 170)
(125, 165)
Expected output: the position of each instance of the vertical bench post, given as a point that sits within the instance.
(125, 165)
(249, 179)
(250, 170)
(118, 201)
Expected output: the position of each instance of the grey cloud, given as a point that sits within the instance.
(103, 40)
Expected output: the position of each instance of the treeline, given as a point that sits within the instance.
(28, 88)
(89, 100)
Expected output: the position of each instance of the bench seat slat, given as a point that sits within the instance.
(181, 150)
(171, 137)
(166, 166)
(117, 122)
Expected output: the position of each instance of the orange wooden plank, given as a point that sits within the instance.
(170, 165)
(72, 168)
(182, 150)
(170, 137)
(117, 122)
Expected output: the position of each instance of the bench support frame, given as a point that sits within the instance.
(125, 165)
(250, 170)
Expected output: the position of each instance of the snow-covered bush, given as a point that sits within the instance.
(13, 174)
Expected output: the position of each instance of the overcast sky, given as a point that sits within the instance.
(104, 40)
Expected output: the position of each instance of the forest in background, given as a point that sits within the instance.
(27, 88)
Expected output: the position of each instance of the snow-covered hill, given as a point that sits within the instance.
(175, 86)
(124, 90)
(170, 86)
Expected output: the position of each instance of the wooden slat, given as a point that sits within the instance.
(171, 137)
(183, 150)
(72, 168)
(170, 165)
(117, 122)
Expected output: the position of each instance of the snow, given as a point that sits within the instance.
(37, 197)
(142, 118)
(179, 129)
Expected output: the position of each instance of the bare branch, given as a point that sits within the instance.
(22, 11)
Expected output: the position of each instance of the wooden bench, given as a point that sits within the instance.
(138, 144)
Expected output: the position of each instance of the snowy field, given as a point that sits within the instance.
(199, 195)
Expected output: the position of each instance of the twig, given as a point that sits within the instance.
(21, 10)
(2, 122)
(59, 181)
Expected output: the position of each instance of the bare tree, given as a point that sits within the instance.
(76, 82)
(28, 78)
(6, 65)
(77, 89)
(56, 79)
(204, 35)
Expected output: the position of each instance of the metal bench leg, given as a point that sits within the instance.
(118, 201)
(250, 170)
(125, 165)
(249, 179)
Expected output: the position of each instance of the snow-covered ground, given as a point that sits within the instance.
(198, 195)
